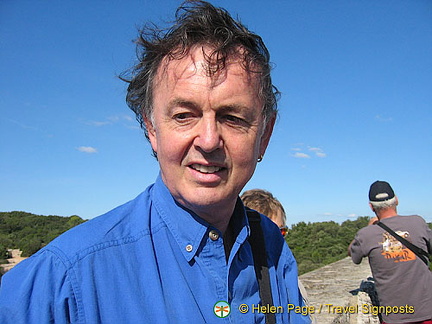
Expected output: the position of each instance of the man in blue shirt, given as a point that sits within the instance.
(180, 252)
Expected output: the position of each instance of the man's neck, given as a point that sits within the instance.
(387, 213)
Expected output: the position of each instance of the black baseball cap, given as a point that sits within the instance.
(380, 191)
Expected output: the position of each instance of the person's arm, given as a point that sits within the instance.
(373, 220)
(38, 290)
(349, 248)
(293, 291)
(355, 250)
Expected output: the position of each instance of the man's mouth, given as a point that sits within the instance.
(206, 168)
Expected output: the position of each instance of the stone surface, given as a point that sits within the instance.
(15, 258)
(329, 289)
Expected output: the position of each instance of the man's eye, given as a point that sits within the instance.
(181, 116)
(234, 119)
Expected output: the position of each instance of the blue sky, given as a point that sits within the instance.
(356, 83)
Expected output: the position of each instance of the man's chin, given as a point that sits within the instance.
(209, 203)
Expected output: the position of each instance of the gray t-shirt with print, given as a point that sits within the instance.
(402, 279)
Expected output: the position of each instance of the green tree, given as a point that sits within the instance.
(317, 244)
(29, 232)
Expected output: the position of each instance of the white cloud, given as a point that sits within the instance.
(383, 118)
(111, 120)
(87, 149)
(98, 123)
(300, 155)
(318, 151)
(22, 125)
(133, 127)
(321, 154)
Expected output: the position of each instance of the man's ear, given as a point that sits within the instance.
(151, 133)
(265, 137)
(370, 205)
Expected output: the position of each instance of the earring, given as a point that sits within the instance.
(260, 158)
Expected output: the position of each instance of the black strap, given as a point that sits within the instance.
(422, 254)
(257, 243)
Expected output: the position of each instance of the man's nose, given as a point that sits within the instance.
(209, 137)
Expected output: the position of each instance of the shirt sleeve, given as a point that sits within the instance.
(38, 290)
(295, 310)
(356, 250)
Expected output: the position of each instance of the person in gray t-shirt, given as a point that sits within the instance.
(403, 281)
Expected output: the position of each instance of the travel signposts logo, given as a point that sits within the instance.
(221, 309)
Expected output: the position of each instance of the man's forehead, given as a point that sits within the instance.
(198, 62)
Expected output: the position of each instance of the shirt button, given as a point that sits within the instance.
(189, 248)
(213, 235)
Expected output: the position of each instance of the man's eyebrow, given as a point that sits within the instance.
(223, 109)
(178, 102)
(233, 108)
(243, 110)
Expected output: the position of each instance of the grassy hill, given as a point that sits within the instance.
(29, 232)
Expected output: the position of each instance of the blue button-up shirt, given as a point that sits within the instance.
(150, 261)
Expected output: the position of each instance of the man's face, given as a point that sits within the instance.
(207, 132)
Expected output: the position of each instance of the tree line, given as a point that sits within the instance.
(29, 232)
(315, 245)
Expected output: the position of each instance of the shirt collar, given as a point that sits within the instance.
(186, 227)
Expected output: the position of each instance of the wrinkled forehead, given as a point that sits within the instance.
(201, 61)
